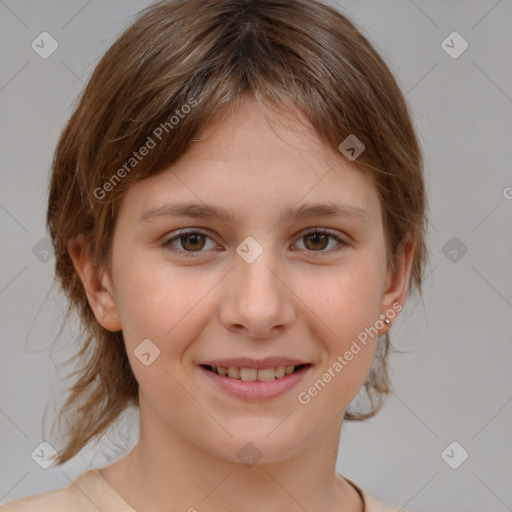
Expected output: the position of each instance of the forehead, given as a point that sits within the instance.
(254, 160)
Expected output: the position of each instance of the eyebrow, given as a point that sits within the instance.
(204, 211)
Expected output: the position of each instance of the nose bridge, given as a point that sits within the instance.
(257, 298)
(256, 270)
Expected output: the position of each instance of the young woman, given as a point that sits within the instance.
(238, 214)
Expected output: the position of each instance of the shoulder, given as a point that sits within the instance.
(372, 504)
(86, 493)
(57, 500)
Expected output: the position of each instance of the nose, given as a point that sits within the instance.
(257, 299)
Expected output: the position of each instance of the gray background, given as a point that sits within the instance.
(453, 383)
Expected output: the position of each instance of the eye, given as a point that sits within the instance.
(190, 241)
(193, 241)
(318, 240)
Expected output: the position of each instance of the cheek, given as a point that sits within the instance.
(347, 300)
(168, 308)
(346, 307)
(161, 304)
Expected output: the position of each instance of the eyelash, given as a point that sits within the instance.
(193, 254)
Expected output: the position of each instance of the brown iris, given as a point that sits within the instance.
(317, 238)
(193, 238)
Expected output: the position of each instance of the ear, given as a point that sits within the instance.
(395, 290)
(96, 284)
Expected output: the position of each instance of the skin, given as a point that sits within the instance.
(301, 298)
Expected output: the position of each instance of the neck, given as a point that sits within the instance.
(165, 471)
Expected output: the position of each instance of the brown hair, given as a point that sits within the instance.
(298, 55)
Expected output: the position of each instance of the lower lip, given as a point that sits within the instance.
(257, 390)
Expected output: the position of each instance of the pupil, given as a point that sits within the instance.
(194, 237)
(318, 237)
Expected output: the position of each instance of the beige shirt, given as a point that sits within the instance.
(90, 492)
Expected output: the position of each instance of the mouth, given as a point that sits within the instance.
(255, 374)
(255, 384)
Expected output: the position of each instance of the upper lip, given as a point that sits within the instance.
(247, 362)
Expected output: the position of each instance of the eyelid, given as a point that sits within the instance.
(325, 231)
(177, 234)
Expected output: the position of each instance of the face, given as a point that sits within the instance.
(207, 290)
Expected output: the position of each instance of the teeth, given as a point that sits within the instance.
(253, 374)
(280, 371)
(234, 373)
(248, 374)
(266, 374)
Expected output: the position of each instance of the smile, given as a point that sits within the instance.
(255, 384)
(254, 374)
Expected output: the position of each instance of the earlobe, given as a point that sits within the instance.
(96, 284)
